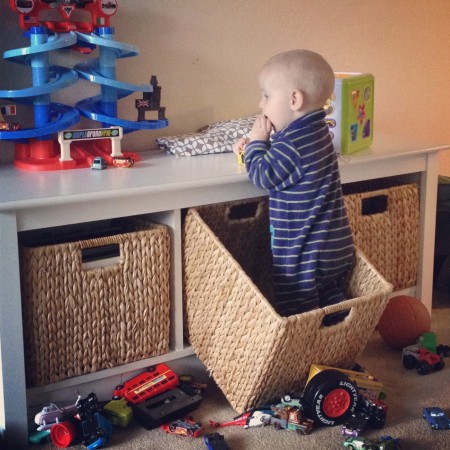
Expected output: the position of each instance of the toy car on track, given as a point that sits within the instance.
(123, 161)
(10, 126)
(99, 163)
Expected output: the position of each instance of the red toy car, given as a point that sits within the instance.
(123, 161)
(155, 380)
(421, 359)
(184, 427)
(10, 126)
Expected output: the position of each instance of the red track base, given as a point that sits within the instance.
(39, 155)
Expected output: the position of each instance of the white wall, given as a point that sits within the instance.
(206, 54)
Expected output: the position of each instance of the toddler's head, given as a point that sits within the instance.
(292, 84)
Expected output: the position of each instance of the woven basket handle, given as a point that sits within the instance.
(248, 211)
(374, 204)
(103, 251)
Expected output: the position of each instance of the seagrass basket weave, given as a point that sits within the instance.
(78, 320)
(253, 353)
(385, 226)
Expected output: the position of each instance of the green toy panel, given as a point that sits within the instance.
(357, 113)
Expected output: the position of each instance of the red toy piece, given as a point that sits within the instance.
(123, 161)
(74, 15)
(155, 380)
(63, 434)
(240, 421)
(184, 427)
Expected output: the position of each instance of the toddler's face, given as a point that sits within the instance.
(275, 103)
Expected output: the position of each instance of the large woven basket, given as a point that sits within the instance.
(253, 353)
(78, 321)
(385, 225)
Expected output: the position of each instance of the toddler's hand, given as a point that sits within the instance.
(239, 145)
(261, 129)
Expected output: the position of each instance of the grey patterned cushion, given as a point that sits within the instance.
(218, 137)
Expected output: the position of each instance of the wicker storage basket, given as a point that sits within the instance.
(253, 353)
(78, 320)
(385, 225)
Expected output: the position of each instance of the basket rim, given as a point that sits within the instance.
(387, 287)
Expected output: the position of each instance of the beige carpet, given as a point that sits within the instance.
(407, 391)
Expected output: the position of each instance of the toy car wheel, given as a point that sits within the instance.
(423, 368)
(439, 366)
(286, 398)
(63, 434)
(330, 397)
(277, 426)
(409, 362)
(151, 369)
(119, 387)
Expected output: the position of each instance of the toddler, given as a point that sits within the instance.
(312, 243)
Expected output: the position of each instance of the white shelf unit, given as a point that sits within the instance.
(160, 186)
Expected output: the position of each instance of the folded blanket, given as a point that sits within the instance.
(218, 137)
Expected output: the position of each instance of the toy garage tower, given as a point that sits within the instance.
(83, 26)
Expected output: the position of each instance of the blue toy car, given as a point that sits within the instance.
(215, 441)
(436, 418)
(99, 163)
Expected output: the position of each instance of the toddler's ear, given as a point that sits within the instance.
(296, 100)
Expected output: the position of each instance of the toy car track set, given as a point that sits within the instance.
(81, 26)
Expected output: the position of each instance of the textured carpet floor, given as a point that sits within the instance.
(407, 392)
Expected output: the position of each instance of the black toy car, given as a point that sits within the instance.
(215, 441)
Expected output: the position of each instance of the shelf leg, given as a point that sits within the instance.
(13, 403)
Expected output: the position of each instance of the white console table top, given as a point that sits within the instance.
(164, 182)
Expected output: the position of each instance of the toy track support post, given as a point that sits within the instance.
(41, 103)
(40, 76)
(107, 67)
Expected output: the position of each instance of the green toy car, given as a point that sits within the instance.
(361, 443)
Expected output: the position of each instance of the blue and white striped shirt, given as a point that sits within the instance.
(312, 242)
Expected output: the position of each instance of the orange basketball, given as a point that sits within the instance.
(403, 321)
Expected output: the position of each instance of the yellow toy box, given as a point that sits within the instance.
(366, 383)
(350, 112)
